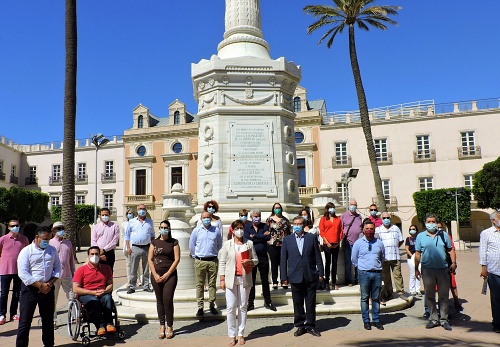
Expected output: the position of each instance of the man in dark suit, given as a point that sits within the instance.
(302, 267)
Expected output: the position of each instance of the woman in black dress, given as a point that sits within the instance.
(164, 256)
(279, 226)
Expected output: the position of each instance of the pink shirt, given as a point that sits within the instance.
(9, 250)
(105, 236)
(65, 251)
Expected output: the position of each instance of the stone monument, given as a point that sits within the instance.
(246, 145)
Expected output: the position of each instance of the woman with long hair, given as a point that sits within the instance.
(164, 256)
(212, 207)
(309, 221)
(330, 230)
(279, 227)
(237, 257)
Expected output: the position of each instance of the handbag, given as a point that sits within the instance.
(344, 239)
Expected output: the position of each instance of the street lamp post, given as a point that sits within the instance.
(346, 178)
(455, 194)
(98, 141)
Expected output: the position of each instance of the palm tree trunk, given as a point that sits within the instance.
(68, 196)
(365, 120)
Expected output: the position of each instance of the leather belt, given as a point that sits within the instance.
(141, 245)
(206, 258)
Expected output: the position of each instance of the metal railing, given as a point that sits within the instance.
(391, 201)
(81, 179)
(30, 180)
(471, 152)
(55, 180)
(108, 177)
(384, 158)
(342, 161)
(2, 176)
(14, 179)
(424, 156)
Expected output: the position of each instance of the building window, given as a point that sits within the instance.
(177, 117)
(341, 153)
(140, 182)
(108, 201)
(81, 171)
(386, 190)
(109, 168)
(468, 183)
(141, 151)
(301, 171)
(425, 183)
(32, 173)
(296, 104)
(177, 147)
(343, 190)
(468, 143)
(55, 201)
(299, 137)
(80, 199)
(56, 172)
(1, 166)
(176, 175)
(140, 122)
(423, 147)
(381, 149)
(13, 171)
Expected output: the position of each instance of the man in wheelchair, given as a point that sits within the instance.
(93, 283)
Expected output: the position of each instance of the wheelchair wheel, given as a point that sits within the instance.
(121, 334)
(74, 319)
(86, 341)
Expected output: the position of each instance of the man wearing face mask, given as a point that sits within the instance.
(39, 267)
(105, 235)
(259, 233)
(302, 267)
(93, 282)
(204, 245)
(392, 238)
(65, 251)
(10, 246)
(351, 225)
(430, 250)
(377, 221)
(138, 236)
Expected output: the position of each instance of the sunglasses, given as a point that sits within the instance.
(413, 229)
(374, 210)
(60, 228)
(15, 225)
(386, 217)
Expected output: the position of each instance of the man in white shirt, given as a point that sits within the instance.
(392, 238)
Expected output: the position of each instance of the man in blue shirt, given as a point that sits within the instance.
(38, 268)
(430, 250)
(368, 253)
(204, 245)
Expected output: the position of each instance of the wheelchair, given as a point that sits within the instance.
(79, 324)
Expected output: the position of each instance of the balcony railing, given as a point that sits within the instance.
(14, 179)
(343, 161)
(2, 176)
(307, 191)
(55, 180)
(30, 180)
(424, 156)
(472, 152)
(134, 200)
(112, 210)
(391, 201)
(108, 177)
(384, 158)
(81, 179)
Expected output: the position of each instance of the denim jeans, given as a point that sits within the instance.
(101, 309)
(370, 283)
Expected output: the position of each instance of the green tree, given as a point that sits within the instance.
(438, 202)
(486, 186)
(348, 13)
(68, 193)
(84, 215)
(27, 205)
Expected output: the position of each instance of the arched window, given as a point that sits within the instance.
(177, 117)
(140, 122)
(296, 104)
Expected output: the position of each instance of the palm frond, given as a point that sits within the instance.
(373, 23)
(362, 25)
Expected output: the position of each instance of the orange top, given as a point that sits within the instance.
(239, 266)
(331, 229)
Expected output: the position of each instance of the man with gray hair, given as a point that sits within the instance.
(259, 233)
(489, 258)
(352, 225)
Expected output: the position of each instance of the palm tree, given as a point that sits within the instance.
(68, 195)
(335, 19)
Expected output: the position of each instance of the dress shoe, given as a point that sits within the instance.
(110, 328)
(327, 287)
(299, 332)
(269, 307)
(432, 324)
(130, 291)
(446, 326)
(367, 326)
(199, 313)
(213, 310)
(313, 332)
(378, 325)
(147, 289)
(250, 307)
(101, 331)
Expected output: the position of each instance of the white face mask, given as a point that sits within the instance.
(94, 259)
(105, 219)
(238, 233)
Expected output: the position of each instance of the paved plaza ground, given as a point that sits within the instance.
(472, 327)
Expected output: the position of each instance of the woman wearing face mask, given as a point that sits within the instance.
(212, 207)
(279, 226)
(330, 229)
(414, 283)
(164, 256)
(243, 216)
(308, 219)
(237, 257)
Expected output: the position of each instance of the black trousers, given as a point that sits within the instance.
(331, 259)
(164, 293)
(275, 256)
(16, 291)
(110, 259)
(263, 267)
(304, 292)
(30, 298)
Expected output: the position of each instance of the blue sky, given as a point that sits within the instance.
(140, 51)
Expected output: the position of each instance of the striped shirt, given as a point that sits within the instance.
(489, 250)
(391, 238)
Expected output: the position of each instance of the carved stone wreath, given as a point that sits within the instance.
(208, 188)
(208, 132)
(291, 186)
(208, 160)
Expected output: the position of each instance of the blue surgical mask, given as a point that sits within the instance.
(373, 213)
(297, 229)
(14, 229)
(431, 227)
(206, 221)
(141, 213)
(211, 210)
(413, 231)
(352, 208)
(130, 216)
(243, 218)
(305, 218)
(256, 220)
(331, 210)
(164, 231)
(498, 224)
(386, 222)
(60, 233)
(43, 244)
